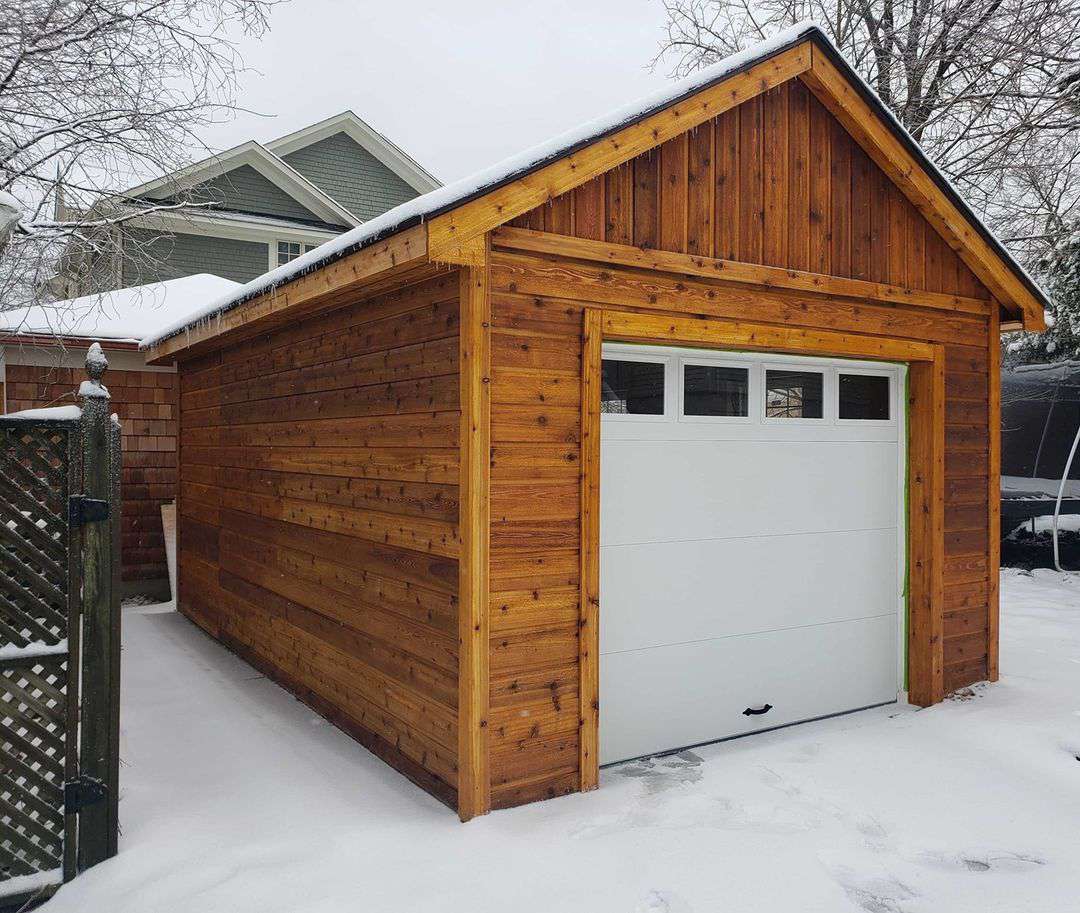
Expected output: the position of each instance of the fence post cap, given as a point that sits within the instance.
(96, 365)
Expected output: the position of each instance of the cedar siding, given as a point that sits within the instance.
(819, 204)
(318, 516)
(327, 441)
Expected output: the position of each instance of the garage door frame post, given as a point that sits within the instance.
(926, 479)
(926, 530)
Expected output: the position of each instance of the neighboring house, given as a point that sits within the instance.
(42, 350)
(271, 202)
(264, 204)
(676, 428)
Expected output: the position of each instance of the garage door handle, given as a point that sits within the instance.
(750, 711)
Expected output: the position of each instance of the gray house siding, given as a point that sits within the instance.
(151, 257)
(351, 175)
(245, 190)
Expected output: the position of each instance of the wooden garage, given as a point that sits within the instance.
(710, 384)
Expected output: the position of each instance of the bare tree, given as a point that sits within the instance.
(95, 96)
(988, 87)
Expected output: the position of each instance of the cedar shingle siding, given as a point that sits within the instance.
(151, 257)
(351, 175)
(145, 402)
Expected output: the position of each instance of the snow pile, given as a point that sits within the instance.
(93, 390)
(10, 651)
(235, 797)
(124, 315)
(48, 414)
(27, 884)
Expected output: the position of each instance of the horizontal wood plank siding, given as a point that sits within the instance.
(318, 516)
(777, 182)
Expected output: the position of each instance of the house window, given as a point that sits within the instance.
(715, 390)
(794, 394)
(632, 387)
(290, 250)
(864, 396)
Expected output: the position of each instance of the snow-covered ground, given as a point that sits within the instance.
(237, 798)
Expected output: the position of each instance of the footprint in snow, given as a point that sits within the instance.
(664, 772)
(663, 902)
(874, 894)
(983, 861)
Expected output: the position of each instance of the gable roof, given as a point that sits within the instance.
(274, 169)
(459, 212)
(357, 129)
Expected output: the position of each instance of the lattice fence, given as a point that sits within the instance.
(37, 576)
(59, 641)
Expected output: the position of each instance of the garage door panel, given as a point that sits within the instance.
(692, 693)
(743, 488)
(674, 592)
(745, 560)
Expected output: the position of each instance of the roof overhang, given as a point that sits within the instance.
(452, 228)
(237, 226)
(42, 340)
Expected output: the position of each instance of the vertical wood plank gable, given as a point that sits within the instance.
(673, 214)
(798, 176)
(751, 175)
(700, 188)
(775, 216)
(820, 189)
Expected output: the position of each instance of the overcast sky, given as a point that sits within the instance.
(458, 84)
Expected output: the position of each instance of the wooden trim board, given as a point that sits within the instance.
(571, 248)
(726, 334)
(474, 781)
(926, 431)
(589, 630)
(993, 494)
(926, 530)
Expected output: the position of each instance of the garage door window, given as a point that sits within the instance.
(864, 397)
(794, 394)
(716, 391)
(632, 387)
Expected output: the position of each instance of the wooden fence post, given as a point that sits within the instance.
(100, 716)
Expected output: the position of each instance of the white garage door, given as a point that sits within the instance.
(751, 543)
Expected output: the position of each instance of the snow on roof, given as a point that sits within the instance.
(454, 194)
(124, 315)
(446, 197)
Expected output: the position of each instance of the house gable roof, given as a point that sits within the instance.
(269, 165)
(357, 129)
(458, 214)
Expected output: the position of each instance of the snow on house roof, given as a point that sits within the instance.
(452, 195)
(123, 315)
